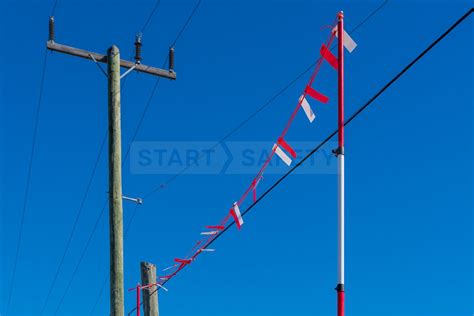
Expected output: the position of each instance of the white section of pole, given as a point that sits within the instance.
(340, 218)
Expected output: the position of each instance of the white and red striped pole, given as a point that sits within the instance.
(340, 164)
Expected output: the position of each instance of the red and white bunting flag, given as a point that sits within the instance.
(286, 146)
(218, 227)
(182, 261)
(286, 159)
(169, 268)
(235, 212)
(330, 58)
(349, 43)
(316, 95)
(307, 109)
(161, 286)
(207, 250)
(214, 232)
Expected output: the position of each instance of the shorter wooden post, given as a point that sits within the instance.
(150, 294)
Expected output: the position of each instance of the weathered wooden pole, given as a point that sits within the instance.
(115, 185)
(149, 294)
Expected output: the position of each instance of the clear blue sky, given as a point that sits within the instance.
(408, 158)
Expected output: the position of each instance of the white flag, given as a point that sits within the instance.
(207, 250)
(282, 154)
(161, 286)
(307, 110)
(349, 43)
(169, 268)
(235, 212)
(215, 232)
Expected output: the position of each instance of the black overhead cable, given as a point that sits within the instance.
(81, 257)
(55, 4)
(74, 226)
(150, 16)
(185, 25)
(28, 179)
(334, 133)
(30, 165)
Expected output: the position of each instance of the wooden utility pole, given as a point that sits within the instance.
(115, 184)
(149, 294)
(114, 63)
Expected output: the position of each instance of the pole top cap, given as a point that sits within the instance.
(340, 14)
(113, 49)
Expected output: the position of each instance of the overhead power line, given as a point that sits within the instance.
(150, 16)
(74, 225)
(30, 165)
(55, 4)
(28, 181)
(81, 257)
(334, 133)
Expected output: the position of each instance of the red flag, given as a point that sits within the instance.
(330, 58)
(218, 227)
(316, 95)
(286, 146)
(185, 261)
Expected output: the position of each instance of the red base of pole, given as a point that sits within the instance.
(340, 303)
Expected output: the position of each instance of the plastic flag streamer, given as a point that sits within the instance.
(307, 109)
(330, 58)
(281, 148)
(280, 153)
(235, 212)
(349, 43)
